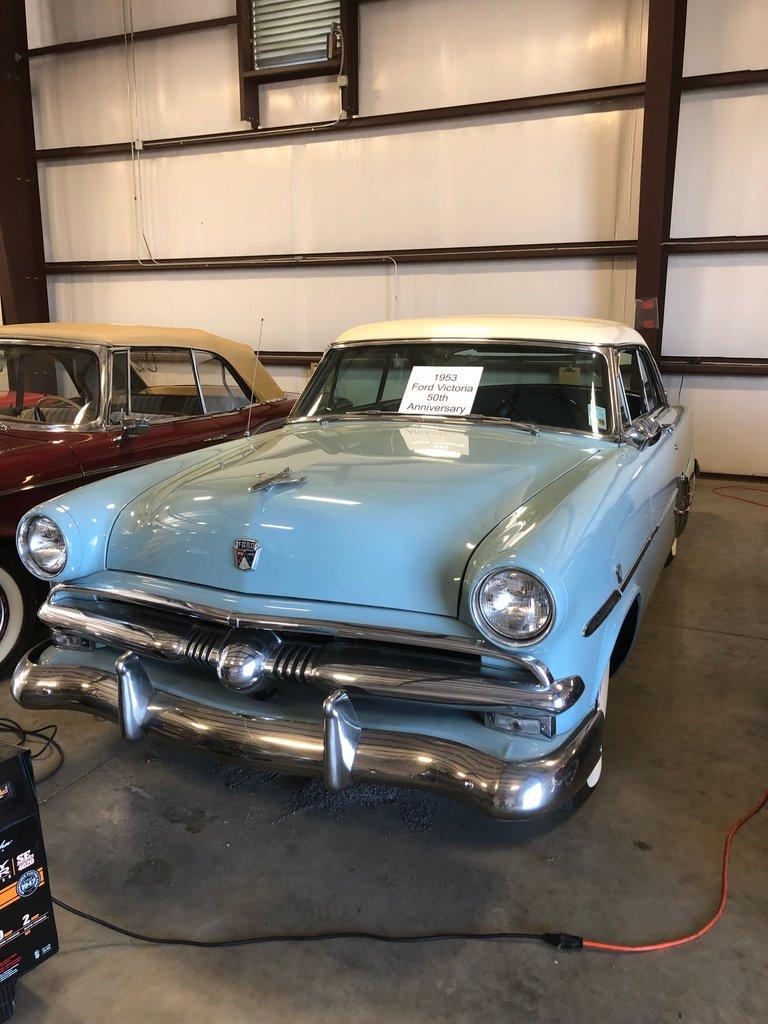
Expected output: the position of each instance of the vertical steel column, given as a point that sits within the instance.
(663, 78)
(350, 27)
(249, 87)
(23, 290)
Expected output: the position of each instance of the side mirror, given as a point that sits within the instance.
(132, 427)
(644, 432)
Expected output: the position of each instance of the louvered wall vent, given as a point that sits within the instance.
(287, 32)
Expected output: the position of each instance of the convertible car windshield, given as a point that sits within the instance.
(549, 386)
(41, 384)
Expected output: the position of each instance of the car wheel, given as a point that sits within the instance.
(20, 596)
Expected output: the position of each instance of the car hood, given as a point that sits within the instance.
(375, 513)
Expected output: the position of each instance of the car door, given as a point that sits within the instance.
(663, 460)
(162, 387)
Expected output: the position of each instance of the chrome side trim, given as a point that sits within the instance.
(607, 607)
(269, 738)
(348, 631)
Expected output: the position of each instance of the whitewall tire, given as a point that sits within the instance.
(20, 595)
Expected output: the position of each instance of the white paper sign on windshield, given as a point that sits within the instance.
(441, 390)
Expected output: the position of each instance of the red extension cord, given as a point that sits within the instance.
(741, 487)
(614, 947)
(619, 948)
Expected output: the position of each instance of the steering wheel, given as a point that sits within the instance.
(37, 412)
(509, 406)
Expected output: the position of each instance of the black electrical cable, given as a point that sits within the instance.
(562, 940)
(553, 939)
(45, 734)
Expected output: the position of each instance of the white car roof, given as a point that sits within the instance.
(580, 330)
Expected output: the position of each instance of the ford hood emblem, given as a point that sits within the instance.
(246, 553)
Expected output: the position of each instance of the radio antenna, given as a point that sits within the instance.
(253, 379)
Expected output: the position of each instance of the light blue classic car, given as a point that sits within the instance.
(425, 578)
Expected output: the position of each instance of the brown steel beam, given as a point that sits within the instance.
(717, 243)
(249, 87)
(291, 72)
(614, 95)
(350, 34)
(726, 79)
(290, 358)
(23, 290)
(146, 33)
(718, 366)
(689, 366)
(448, 254)
(664, 67)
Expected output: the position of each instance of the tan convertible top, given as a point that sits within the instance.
(239, 355)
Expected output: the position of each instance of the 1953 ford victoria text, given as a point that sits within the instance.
(425, 578)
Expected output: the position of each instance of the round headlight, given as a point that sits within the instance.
(513, 605)
(42, 546)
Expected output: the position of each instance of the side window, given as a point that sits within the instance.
(634, 382)
(118, 402)
(222, 391)
(654, 395)
(163, 384)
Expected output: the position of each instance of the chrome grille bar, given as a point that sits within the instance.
(367, 666)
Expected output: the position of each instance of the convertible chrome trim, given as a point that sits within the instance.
(333, 745)
(210, 615)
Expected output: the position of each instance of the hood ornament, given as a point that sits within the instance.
(246, 553)
(264, 481)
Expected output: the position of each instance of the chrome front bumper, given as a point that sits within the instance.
(334, 746)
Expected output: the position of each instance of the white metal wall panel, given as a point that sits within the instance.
(431, 53)
(312, 99)
(728, 412)
(722, 164)
(553, 178)
(60, 21)
(428, 53)
(717, 306)
(186, 85)
(305, 310)
(725, 35)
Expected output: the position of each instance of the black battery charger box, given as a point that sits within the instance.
(27, 927)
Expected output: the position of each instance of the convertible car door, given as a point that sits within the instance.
(161, 385)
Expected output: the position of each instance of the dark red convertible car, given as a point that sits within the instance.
(81, 401)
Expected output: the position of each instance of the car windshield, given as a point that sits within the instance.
(544, 385)
(49, 384)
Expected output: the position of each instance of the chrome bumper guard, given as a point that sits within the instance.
(335, 746)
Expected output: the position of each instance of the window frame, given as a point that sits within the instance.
(607, 353)
(251, 76)
(645, 363)
(247, 390)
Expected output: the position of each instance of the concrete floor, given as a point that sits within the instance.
(163, 841)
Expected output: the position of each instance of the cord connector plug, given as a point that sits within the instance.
(563, 940)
